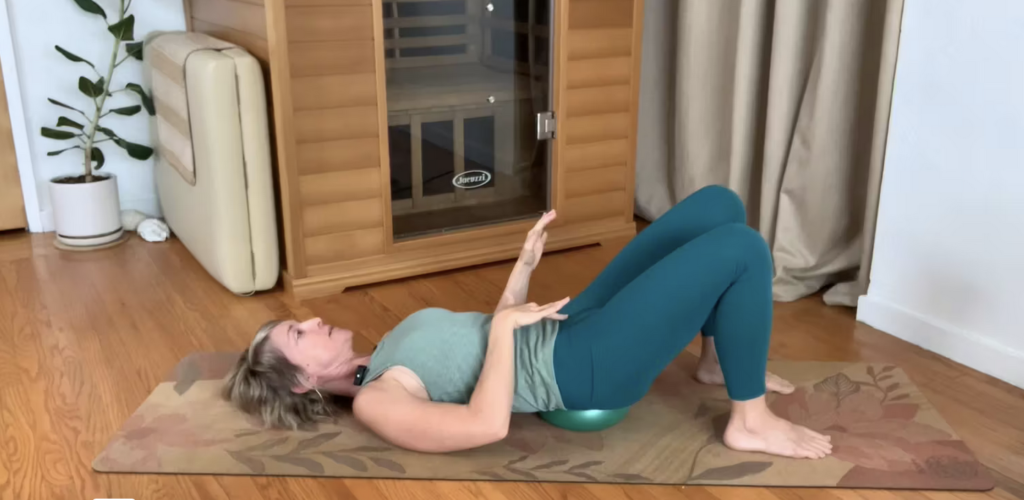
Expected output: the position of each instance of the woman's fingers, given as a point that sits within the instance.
(544, 221)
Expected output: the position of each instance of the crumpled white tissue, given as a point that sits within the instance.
(153, 230)
(131, 219)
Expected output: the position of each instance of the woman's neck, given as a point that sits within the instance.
(344, 383)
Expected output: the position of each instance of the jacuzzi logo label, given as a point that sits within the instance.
(472, 179)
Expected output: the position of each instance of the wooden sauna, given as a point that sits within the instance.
(415, 136)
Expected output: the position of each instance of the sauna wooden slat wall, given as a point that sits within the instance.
(336, 118)
(243, 23)
(325, 65)
(597, 105)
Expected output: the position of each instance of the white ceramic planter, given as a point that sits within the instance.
(87, 214)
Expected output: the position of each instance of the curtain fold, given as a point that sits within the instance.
(787, 103)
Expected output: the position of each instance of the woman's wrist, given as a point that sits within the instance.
(503, 322)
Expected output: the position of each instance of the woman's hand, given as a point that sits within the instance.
(528, 314)
(529, 257)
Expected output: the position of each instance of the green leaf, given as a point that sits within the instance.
(124, 29)
(72, 57)
(147, 102)
(91, 7)
(134, 49)
(68, 122)
(109, 133)
(58, 103)
(91, 89)
(128, 110)
(137, 151)
(97, 156)
(60, 135)
(55, 153)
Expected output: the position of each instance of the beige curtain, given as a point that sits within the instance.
(787, 103)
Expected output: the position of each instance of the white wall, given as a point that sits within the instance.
(38, 25)
(948, 269)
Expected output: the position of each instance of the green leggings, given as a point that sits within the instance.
(700, 268)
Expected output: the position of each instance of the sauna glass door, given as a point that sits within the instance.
(468, 82)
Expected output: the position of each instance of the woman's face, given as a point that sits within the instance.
(320, 350)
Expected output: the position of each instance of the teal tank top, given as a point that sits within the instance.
(446, 350)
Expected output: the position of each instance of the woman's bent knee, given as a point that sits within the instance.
(747, 241)
(722, 202)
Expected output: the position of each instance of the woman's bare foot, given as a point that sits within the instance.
(709, 371)
(711, 374)
(753, 427)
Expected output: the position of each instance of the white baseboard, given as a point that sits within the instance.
(966, 348)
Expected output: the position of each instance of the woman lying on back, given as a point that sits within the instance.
(444, 381)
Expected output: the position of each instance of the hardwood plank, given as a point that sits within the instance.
(335, 124)
(344, 216)
(334, 91)
(333, 187)
(596, 128)
(331, 58)
(597, 155)
(330, 23)
(600, 43)
(598, 100)
(595, 181)
(256, 46)
(244, 17)
(592, 14)
(345, 246)
(342, 154)
(599, 72)
(72, 371)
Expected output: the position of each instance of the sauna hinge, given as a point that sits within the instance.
(545, 125)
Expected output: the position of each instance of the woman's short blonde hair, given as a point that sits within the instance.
(261, 384)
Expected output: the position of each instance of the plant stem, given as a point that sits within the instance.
(103, 98)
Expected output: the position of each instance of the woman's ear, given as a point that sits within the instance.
(306, 384)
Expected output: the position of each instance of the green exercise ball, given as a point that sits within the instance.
(584, 420)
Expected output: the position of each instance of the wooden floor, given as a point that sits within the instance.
(84, 337)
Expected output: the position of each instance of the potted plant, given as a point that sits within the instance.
(86, 207)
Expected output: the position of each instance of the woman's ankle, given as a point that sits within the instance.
(751, 413)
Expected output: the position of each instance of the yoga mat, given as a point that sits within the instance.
(885, 435)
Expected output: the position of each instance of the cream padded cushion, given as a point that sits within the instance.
(227, 219)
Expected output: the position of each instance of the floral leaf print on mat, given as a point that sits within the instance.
(582, 475)
(313, 442)
(367, 449)
(517, 460)
(585, 465)
(253, 464)
(388, 464)
(549, 465)
(732, 472)
(306, 463)
(839, 385)
(489, 474)
(631, 477)
(347, 460)
(186, 374)
(264, 446)
(523, 473)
